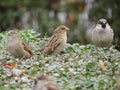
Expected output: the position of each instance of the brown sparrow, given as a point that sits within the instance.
(102, 35)
(16, 46)
(41, 82)
(57, 41)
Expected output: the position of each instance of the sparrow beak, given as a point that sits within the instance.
(67, 29)
(35, 79)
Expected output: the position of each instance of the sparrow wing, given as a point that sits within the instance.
(52, 44)
(26, 48)
(52, 86)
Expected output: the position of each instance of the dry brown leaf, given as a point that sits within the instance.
(23, 70)
(102, 66)
(9, 65)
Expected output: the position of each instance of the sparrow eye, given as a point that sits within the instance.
(62, 28)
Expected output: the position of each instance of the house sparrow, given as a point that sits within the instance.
(102, 35)
(118, 80)
(57, 42)
(41, 82)
(16, 46)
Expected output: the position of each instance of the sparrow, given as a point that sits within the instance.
(57, 41)
(102, 35)
(16, 46)
(42, 82)
(118, 80)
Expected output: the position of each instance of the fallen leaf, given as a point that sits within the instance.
(24, 70)
(102, 66)
(9, 65)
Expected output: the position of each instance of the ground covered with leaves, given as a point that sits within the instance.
(77, 67)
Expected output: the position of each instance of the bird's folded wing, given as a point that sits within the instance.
(52, 86)
(25, 46)
(52, 44)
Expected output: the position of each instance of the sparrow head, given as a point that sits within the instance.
(103, 23)
(12, 33)
(40, 77)
(61, 29)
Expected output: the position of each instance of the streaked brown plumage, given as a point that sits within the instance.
(102, 35)
(16, 46)
(57, 42)
(41, 82)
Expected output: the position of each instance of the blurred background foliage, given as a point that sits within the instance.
(45, 15)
